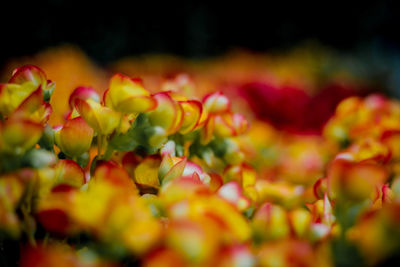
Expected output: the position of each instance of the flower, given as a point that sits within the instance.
(75, 137)
(19, 135)
(102, 119)
(168, 114)
(24, 81)
(128, 95)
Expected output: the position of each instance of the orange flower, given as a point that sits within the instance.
(354, 181)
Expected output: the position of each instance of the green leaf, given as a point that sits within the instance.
(48, 92)
(83, 159)
(47, 139)
(123, 142)
(39, 158)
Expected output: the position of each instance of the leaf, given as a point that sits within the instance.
(39, 158)
(47, 139)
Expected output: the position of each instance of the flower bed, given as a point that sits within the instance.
(166, 179)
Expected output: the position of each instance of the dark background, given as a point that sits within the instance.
(108, 31)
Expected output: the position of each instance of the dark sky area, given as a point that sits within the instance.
(107, 31)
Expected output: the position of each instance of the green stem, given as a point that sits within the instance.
(99, 144)
(26, 208)
(105, 144)
(29, 228)
(121, 118)
(46, 239)
(107, 155)
(102, 142)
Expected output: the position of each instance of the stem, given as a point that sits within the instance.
(28, 226)
(105, 144)
(107, 155)
(46, 239)
(26, 209)
(102, 144)
(99, 144)
(121, 118)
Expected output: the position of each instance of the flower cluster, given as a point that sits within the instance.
(163, 179)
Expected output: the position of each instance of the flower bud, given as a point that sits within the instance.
(128, 95)
(354, 181)
(83, 93)
(146, 173)
(75, 137)
(270, 222)
(68, 172)
(233, 193)
(168, 114)
(216, 103)
(19, 135)
(102, 119)
(192, 111)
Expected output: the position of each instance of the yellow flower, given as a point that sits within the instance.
(168, 114)
(192, 110)
(19, 135)
(25, 80)
(75, 137)
(128, 95)
(216, 103)
(102, 119)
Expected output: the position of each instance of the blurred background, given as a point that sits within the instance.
(111, 30)
(318, 52)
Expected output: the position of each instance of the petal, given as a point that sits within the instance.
(102, 119)
(175, 172)
(320, 187)
(146, 173)
(240, 124)
(20, 135)
(68, 172)
(12, 95)
(34, 108)
(233, 193)
(215, 182)
(216, 103)
(137, 104)
(128, 95)
(111, 172)
(223, 126)
(208, 130)
(122, 86)
(192, 111)
(83, 93)
(166, 115)
(29, 73)
(75, 137)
